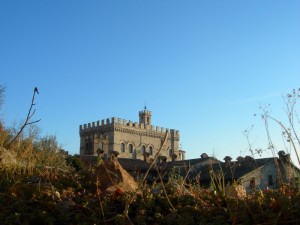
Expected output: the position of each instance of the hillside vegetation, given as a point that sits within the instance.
(40, 183)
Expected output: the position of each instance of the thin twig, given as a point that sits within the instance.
(27, 122)
(164, 189)
(289, 135)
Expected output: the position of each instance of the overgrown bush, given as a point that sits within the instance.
(75, 162)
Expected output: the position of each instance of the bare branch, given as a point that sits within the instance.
(27, 121)
(34, 122)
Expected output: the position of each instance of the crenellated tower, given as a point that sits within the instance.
(145, 116)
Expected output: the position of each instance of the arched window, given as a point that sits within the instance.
(151, 150)
(100, 145)
(122, 147)
(130, 147)
(143, 150)
(170, 152)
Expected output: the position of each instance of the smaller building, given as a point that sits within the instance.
(272, 174)
(252, 173)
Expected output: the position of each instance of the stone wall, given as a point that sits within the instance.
(268, 176)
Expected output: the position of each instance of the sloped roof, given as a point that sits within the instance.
(137, 164)
(283, 165)
(133, 164)
(191, 162)
(232, 170)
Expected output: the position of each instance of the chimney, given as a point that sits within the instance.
(240, 159)
(227, 160)
(204, 156)
(283, 156)
(248, 158)
(100, 152)
(114, 156)
(249, 161)
(146, 157)
(288, 157)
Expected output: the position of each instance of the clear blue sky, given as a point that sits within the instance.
(203, 67)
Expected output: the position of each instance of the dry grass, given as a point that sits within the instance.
(39, 187)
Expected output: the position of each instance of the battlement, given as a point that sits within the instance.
(122, 123)
(145, 111)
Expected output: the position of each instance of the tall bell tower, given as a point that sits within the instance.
(145, 116)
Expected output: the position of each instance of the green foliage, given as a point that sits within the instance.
(75, 162)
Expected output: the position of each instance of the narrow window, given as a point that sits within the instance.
(143, 150)
(170, 152)
(122, 147)
(100, 146)
(89, 146)
(150, 150)
(270, 180)
(86, 148)
(130, 146)
(252, 183)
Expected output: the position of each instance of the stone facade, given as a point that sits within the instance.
(135, 140)
(271, 175)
